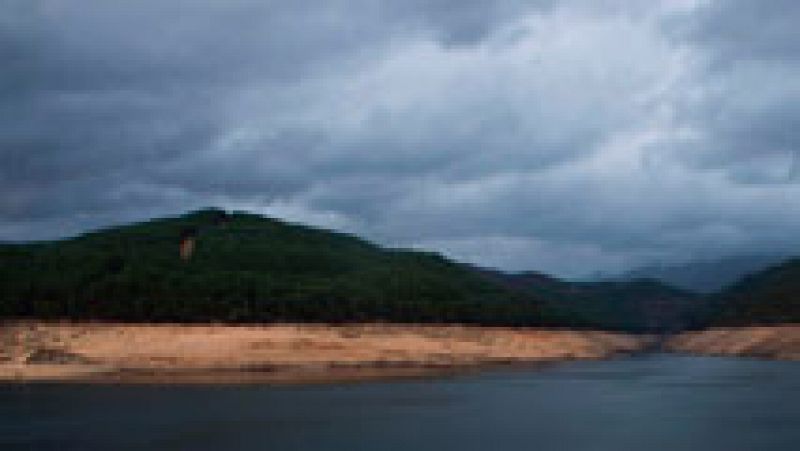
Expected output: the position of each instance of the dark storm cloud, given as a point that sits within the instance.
(559, 135)
(746, 29)
(134, 89)
(749, 116)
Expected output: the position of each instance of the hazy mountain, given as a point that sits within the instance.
(705, 276)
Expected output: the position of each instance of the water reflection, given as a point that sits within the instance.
(652, 403)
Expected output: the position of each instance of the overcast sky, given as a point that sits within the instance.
(569, 136)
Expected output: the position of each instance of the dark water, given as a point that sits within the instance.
(643, 404)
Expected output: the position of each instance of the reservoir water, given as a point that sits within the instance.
(651, 403)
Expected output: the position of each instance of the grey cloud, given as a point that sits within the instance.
(136, 88)
(744, 29)
(748, 117)
(525, 134)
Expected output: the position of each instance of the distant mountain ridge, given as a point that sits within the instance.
(643, 304)
(211, 265)
(705, 276)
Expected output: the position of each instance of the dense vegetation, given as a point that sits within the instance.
(637, 305)
(768, 297)
(248, 268)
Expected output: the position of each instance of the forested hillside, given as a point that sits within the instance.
(768, 297)
(213, 266)
(210, 265)
(636, 305)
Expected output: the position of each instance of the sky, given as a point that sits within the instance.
(566, 136)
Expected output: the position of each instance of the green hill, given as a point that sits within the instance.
(246, 267)
(635, 305)
(768, 297)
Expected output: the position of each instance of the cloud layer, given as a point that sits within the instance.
(555, 135)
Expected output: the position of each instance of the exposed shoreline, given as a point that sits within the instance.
(775, 342)
(36, 351)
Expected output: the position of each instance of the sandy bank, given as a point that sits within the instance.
(37, 351)
(780, 342)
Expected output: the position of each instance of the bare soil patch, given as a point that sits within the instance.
(283, 352)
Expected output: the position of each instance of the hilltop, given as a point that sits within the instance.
(248, 268)
(211, 265)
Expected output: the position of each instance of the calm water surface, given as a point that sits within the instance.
(652, 403)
